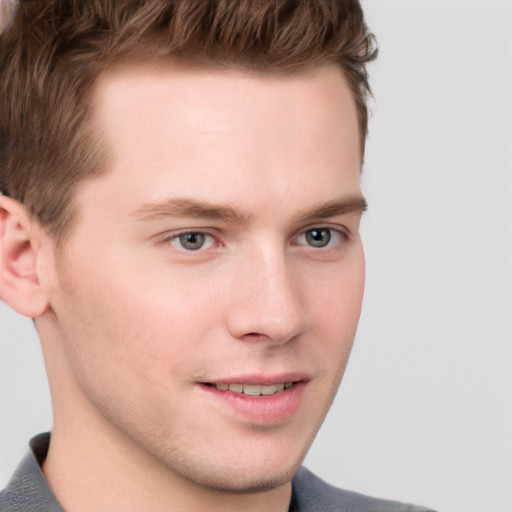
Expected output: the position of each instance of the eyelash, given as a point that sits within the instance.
(177, 236)
(339, 234)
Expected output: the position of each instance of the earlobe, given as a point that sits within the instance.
(20, 284)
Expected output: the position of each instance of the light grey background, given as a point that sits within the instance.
(425, 410)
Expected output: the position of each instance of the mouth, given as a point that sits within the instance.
(252, 389)
(256, 398)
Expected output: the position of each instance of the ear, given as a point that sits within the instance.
(20, 246)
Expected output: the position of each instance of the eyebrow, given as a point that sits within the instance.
(335, 207)
(186, 207)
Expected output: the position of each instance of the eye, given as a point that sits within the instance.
(318, 237)
(321, 237)
(193, 241)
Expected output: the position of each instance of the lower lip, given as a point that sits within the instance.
(260, 409)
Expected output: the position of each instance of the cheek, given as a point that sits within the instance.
(335, 310)
(149, 322)
(337, 297)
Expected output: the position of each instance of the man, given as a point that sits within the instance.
(180, 217)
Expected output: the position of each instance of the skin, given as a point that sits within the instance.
(133, 323)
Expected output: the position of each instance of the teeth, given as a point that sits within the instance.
(254, 389)
(237, 388)
(271, 390)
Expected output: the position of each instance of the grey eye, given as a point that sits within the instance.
(318, 237)
(192, 241)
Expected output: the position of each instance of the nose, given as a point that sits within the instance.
(266, 300)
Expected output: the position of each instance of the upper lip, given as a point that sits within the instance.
(258, 379)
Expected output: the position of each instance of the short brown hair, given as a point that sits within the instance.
(56, 49)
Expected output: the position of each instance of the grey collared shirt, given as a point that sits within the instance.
(28, 491)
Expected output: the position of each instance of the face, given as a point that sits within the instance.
(207, 299)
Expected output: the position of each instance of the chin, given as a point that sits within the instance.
(247, 484)
(247, 473)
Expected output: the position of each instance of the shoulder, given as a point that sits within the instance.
(27, 490)
(311, 494)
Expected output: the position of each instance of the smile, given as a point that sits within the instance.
(258, 400)
(254, 389)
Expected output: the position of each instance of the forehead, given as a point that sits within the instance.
(218, 101)
(223, 133)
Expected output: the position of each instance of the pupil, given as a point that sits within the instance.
(192, 241)
(318, 237)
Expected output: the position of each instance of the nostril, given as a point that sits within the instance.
(255, 336)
